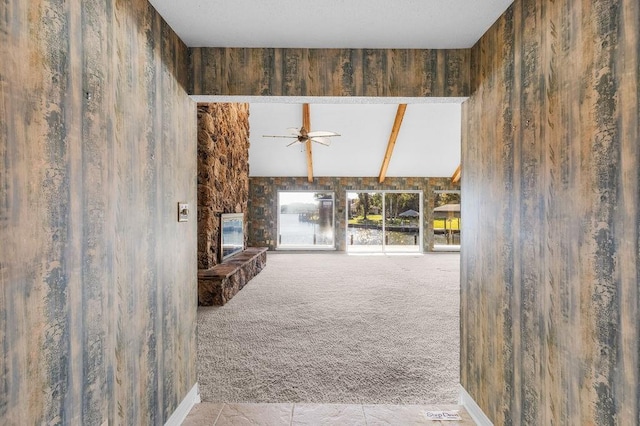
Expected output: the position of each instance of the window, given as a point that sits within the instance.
(446, 221)
(305, 220)
(384, 221)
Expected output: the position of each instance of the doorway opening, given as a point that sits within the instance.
(284, 242)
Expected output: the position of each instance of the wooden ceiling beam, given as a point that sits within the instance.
(309, 162)
(457, 174)
(392, 141)
(306, 117)
(306, 123)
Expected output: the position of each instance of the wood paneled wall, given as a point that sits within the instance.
(550, 321)
(330, 72)
(98, 280)
(97, 277)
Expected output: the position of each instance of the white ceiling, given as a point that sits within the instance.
(428, 143)
(409, 24)
(429, 139)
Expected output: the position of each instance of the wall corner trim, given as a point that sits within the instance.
(473, 408)
(181, 413)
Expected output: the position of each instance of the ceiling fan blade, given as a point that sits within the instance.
(321, 133)
(321, 140)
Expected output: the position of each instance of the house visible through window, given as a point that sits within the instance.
(446, 221)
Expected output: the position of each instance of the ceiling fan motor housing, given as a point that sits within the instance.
(303, 135)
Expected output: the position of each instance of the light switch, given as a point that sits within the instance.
(183, 212)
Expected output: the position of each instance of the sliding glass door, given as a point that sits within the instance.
(446, 221)
(402, 221)
(305, 220)
(364, 221)
(384, 221)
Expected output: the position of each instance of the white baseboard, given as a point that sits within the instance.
(473, 409)
(181, 413)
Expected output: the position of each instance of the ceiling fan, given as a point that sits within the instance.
(303, 134)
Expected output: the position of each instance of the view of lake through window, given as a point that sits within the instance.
(305, 219)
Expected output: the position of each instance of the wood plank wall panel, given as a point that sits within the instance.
(97, 278)
(330, 72)
(551, 199)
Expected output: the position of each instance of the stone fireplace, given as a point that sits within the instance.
(223, 172)
(223, 188)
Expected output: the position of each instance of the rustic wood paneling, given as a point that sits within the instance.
(330, 72)
(551, 201)
(97, 277)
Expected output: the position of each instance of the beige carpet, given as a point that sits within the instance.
(334, 328)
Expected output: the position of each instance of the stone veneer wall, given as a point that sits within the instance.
(223, 172)
(263, 196)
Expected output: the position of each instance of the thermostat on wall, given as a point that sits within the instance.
(183, 212)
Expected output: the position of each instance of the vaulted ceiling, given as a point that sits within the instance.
(428, 139)
(427, 144)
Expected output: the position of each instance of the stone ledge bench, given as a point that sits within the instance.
(217, 285)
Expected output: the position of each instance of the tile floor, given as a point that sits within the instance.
(220, 414)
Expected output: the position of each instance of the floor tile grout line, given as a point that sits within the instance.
(293, 408)
(219, 413)
(364, 415)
